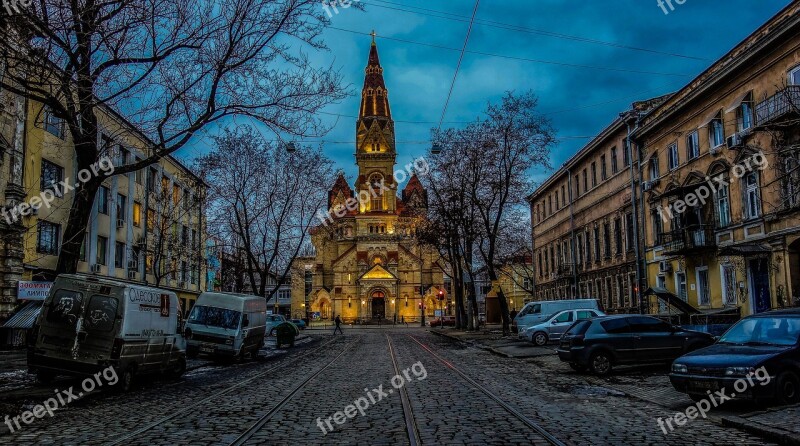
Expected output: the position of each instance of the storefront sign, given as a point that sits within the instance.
(27, 290)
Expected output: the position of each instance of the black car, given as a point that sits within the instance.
(761, 353)
(603, 342)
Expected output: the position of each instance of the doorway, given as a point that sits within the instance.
(758, 270)
(378, 305)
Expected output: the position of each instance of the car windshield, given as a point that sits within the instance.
(764, 331)
(215, 317)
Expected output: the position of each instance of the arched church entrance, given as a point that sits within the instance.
(378, 305)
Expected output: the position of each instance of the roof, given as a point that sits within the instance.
(25, 317)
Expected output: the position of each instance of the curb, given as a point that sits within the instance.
(779, 436)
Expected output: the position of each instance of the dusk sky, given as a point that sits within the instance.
(536, 38)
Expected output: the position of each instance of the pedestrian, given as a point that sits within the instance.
(403, 320)
(338, 322)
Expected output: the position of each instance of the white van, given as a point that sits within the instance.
(226, 325)
(89, 323)
(535, 312)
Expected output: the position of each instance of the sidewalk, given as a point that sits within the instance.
(491, 339)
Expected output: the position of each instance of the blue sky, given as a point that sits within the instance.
(580, 101)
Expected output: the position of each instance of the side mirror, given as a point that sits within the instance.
(245, 321)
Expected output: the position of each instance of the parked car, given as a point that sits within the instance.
(273, 320)
(537, 312)
(601, 343)
(226, 325)
(554, 327)
(443, 321)
(301, 324)
(88, 324)
(768, 340)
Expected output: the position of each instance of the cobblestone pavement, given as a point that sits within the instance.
(304, 396)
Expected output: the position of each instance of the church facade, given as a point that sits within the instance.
(367, 264)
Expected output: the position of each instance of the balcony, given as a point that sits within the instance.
(784, 102)
(564, 270)
(688, 240)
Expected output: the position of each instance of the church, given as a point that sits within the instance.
(367, 265)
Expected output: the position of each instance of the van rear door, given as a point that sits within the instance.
(58, 328)
(98, 331)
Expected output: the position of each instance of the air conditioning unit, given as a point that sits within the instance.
(647, 186)
(132, 275)
(120, 223)
(95, 268)
(734, 141)
(664, 267)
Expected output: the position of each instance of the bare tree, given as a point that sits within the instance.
(170, 67)
(264, 200)
(498, 154)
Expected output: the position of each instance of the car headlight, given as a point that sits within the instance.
(736, 371)
(229, 341)
(679, 368)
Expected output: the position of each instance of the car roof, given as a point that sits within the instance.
(783, 312)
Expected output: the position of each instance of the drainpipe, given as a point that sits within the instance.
(634, 183)
(572, 236)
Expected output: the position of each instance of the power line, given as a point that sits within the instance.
(524, 59)
(494, 24)
(458, 66)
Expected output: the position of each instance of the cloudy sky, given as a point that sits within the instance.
(586, 60)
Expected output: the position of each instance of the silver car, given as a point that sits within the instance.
(555, 325)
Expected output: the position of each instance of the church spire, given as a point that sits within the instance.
(374, 96)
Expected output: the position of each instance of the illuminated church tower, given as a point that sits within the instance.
(367, 264)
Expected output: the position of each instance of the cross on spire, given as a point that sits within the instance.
(373, 34)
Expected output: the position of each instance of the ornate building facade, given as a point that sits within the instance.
(368, 265)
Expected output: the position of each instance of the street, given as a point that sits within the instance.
(411, 386)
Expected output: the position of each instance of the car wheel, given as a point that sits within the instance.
(125, 383)
(788, 388)
(600, 363)
(540, 338)
(577, 367)
(179, 369)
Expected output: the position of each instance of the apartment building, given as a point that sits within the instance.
(584, 222)
(721, 196)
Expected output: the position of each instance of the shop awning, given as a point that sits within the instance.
(746, 249)
(671, 299)
(25, 317)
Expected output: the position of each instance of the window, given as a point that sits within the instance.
(376, 203)
(680, 284)
(84, 248)
(102, 250)
(585, 181)
(102, 200)
(658, 228)
(794, 76)
(541, 271)
(139, 174)
(176, 194)
(586, 314)
(52, 175)
(577, 188)
(104, 313)
(563, 317)
(550, 204)
(65, 308)
(594, 174)
(728, 274)
(121, 157)
(672, 156)
(185, 235)
(47, 241)
(629, 231)
(597, 244)
(654, 170)
(723, 206)
(121, 201)
(616, 326)
(137, 214)
(579, 250)
(557, 205)
(744, 114)
(703, 296)
(614, 167)
(606, 240)
(151, 180)
(165, 187)
(716, 132)
(626, 156)
(563, 196)
(791, 181)
(151, 219)
(752, 202)
(603, 173)
(52, 124)
(119, 254)
(136, 254)
(588, 248)
(692, 145)
(641, 324)
(618, 236)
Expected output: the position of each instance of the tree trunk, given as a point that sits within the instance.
(75, 231)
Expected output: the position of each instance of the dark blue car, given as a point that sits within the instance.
(756, 359)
